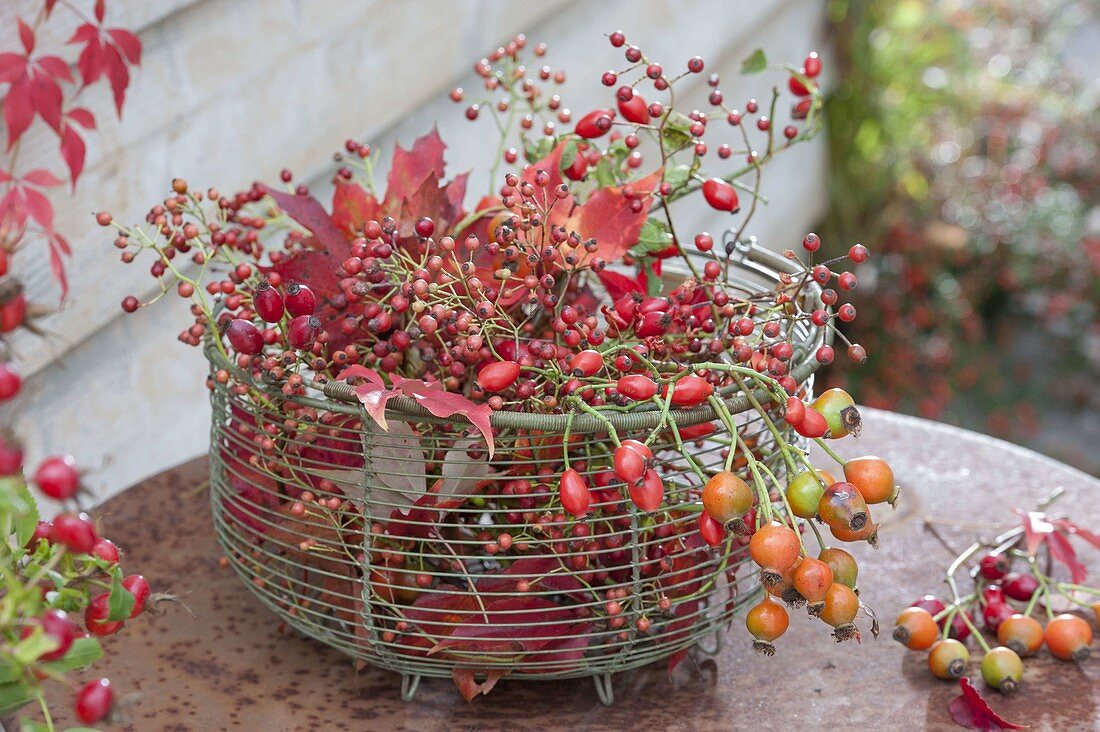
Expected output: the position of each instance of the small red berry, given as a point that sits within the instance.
(57, 477)
(721, 195)
(96, 614)
(498, 376)
(106, 550)
(137, 586)
(243, 336)
(94, 701)
(812, 65)
(10, 382)
(300, 300)
(75, 532)
(268, 303)
(303, 331)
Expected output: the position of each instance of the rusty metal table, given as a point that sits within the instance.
(224, 663)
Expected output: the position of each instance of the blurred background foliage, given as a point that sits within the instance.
(965, 145)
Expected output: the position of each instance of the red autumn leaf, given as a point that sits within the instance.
(508, 626)
(972, 711)
(26, 36)
(39, 207)
(91, 61)
(560, 654)
(1036, 528)
(128, 43)
(12, 207)
(49, 6)
(1071, 528)
(46, 98)
(83, 33)
(12, 67)
(1063, 551)
(18, 109)
(373, 394)
(41, 177)
(118, 75)
(82, 117)
(58, 247)
(308, 211)
(551, 164)
(466, 681)
(607, 218)
(619, 285)
(442, 403)
(438, 612)
(524, 568)
(352, 207)
(100, 10)
(72, 150)
(413, 166)
(56, 67)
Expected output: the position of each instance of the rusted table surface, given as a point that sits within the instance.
(222, 662)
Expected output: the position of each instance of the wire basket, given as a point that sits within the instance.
(411, 550)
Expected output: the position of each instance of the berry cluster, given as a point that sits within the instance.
(566, 293)
(55, 570)
(1013, 582)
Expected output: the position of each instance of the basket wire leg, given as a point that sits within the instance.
(716, 648)
(409, 685)
(604, 690)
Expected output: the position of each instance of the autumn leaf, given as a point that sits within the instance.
(73, 151)
(972, 711)
(413, 166)
(1039, 528)
(508, 627)
(466, 681)
(619, 285)
(308, 211)
(352, 207)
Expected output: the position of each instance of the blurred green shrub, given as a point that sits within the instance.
(965, 144)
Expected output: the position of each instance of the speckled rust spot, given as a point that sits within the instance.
(228, 666)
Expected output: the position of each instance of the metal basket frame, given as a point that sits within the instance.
(350, 602)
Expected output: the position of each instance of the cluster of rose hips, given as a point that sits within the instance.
(825, 585)
(68, 546)
(1007, 602)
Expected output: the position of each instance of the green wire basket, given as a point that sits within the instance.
(411, 550)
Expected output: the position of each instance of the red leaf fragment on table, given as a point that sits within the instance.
(972, 711)
(1071, 528)
(1039, 528)
(1063, 552)
(466, 681)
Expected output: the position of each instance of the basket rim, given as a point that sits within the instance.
(341, 397)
